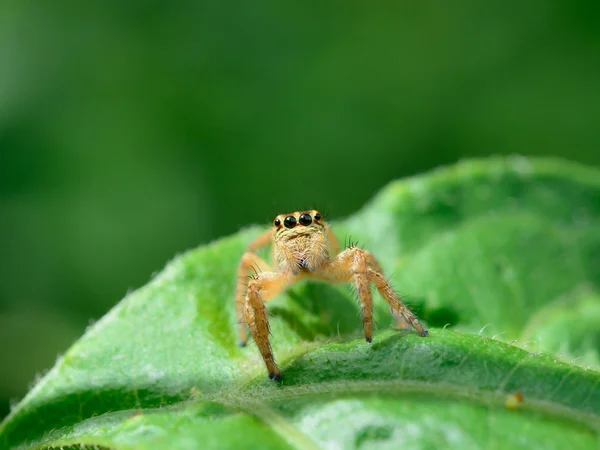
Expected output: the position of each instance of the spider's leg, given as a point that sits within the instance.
(395, 303)
(372, 262)
(351, 265)
(334, 243)
(249, 263)
(261, 288)
(357, 265)
(401, 322)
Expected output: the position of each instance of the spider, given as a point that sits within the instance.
(304, 246)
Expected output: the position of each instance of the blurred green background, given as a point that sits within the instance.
(130, 133)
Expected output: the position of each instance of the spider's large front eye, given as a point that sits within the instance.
(305, 219)
(290, 222)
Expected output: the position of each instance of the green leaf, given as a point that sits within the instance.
(501, 258)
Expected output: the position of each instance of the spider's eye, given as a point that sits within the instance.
(290, 222)
(318, 216)
(277, 222)
(305, 219)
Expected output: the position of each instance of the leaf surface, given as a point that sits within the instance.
(499, 257)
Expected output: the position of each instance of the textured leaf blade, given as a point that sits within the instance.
(498, 243)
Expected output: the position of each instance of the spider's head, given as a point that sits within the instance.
(300, 241)
(293, 225)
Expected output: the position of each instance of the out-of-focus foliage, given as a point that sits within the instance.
(129, 133)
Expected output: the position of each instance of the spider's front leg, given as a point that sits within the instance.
(249, 261)
(359, 266)
(262, 288)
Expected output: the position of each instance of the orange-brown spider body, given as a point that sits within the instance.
(305, 246)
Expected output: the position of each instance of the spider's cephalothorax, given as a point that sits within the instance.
(304, 246)
(300, 242)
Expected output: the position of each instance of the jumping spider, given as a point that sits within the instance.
(304, 246)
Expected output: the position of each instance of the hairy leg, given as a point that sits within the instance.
(395, 303)
(355, 264)
(250, 261)
(334, 243)
(372, 262)
(352, 265)
(262, 240)
(401, 322)
(262, 288)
